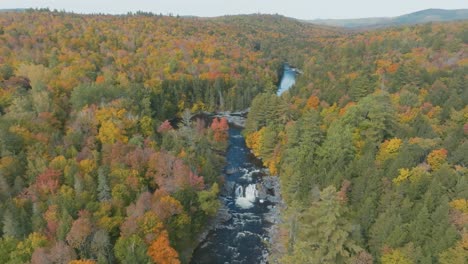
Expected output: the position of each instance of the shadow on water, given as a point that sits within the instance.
(241, 239)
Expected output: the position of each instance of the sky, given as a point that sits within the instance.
(302, 9)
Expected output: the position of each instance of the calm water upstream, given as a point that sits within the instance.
(288, 79)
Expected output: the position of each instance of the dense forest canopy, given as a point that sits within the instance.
(370, 145)
(90, 168)
(371, 148)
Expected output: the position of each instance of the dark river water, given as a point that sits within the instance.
(241, 239)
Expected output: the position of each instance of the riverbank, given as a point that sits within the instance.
(240, 232)
(247, 227)
(237, 118)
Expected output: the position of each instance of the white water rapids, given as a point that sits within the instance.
(245, 200)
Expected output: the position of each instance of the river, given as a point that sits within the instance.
(242, 238)
(288, 79)
(249, 200)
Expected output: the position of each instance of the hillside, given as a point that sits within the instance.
(12, 10)
(424, 16)
(90, 168)
(370, 145)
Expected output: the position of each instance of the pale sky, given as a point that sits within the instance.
(302, 9)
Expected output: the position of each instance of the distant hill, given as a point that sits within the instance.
(424, 16)
(12, 10)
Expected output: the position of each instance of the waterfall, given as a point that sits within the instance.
(239, 191)
(251, 193)
(246, 200)
(239, 235)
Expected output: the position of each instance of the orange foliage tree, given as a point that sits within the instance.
(436, 158)
(313, 102)
(161, 251)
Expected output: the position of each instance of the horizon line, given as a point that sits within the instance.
(170, 14)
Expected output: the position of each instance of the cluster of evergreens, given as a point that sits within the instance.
(371, 149)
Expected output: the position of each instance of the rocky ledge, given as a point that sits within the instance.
(216, 222)
(269, 190)
(234, 118)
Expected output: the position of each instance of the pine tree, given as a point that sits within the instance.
(103, 187)
(11, 226)
(323, 234)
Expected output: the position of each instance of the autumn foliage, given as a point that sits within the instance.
(383, 114)
(436, 158)
(82, 261)
(91, 168)
(220, 129)
(161, 252)
(164, 127)
(48, 181)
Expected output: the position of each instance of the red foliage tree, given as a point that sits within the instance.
(165, 127)
(48, 181)
(196, 181)
(138, 158)
(165, 206)
(220, 128)
(80, 230)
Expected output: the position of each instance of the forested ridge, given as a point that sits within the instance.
(91, 170)
(371, 149)
(370, 145)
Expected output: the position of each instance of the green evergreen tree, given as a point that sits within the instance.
(104, 192)
(11, 225)
(323, 232)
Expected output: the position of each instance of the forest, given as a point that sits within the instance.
(371, 149)
(370, 145)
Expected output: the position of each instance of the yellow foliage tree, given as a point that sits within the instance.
(395, 257)
(82, 261)
(388, 150)
(413, 175)
(402, 176)
(436, 158)
(254, 141)
(460, 204)
(87, 166)
(272, 164)
(150, 223)
(198, 106)
(146, 125)
(109, 133)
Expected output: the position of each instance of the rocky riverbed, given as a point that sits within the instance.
(243, 227)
